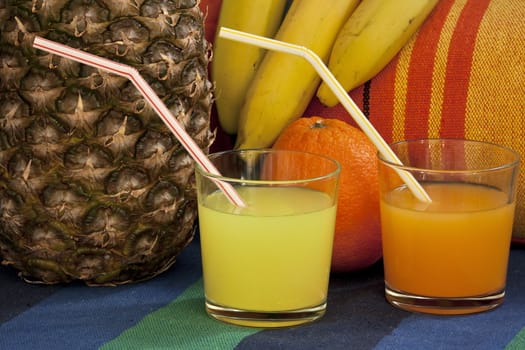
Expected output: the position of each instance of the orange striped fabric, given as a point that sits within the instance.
(461, 75)
(420, 76)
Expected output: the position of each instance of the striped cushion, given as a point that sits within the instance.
(462, 75)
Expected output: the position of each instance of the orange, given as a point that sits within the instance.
(357, 240)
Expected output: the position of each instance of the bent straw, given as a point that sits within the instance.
(145, 89)
(338, 90)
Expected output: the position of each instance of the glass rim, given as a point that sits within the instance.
(211, 156)
(505, 165)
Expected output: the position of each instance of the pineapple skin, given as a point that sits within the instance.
(93, 186)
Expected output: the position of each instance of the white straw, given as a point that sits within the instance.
(338, 90)
(145, 89)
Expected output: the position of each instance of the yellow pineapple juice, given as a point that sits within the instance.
(267, 263)
(456, 246)
(273, 255)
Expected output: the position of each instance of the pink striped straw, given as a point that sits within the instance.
(145, 89)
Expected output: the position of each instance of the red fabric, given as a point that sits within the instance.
(459, 67)
(419, 91)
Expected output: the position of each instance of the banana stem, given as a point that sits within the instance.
(347, 102)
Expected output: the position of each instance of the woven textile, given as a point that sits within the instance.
(167, 312)
(462, 75)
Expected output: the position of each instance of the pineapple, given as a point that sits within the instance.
(93, 186)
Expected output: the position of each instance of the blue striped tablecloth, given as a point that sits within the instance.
(167, 312)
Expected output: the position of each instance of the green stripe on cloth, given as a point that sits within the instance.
(518, 342)
(182, 324)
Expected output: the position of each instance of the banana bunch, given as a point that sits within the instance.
(375, 32)
(258, 94)
(284, 84)
(234, 64)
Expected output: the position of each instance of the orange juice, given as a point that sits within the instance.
(456, 246)
(273, 255)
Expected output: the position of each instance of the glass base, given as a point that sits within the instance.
(444, 306)
(265, 319)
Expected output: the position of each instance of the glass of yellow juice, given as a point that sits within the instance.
(448, 256)
(267, 264)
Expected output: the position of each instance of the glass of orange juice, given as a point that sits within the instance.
(448, 256)
(267, 264)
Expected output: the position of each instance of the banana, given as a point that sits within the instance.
(284, 84)
(234, 64)
(375, 32)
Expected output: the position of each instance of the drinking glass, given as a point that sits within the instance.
(448, 256)
(267, 264)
